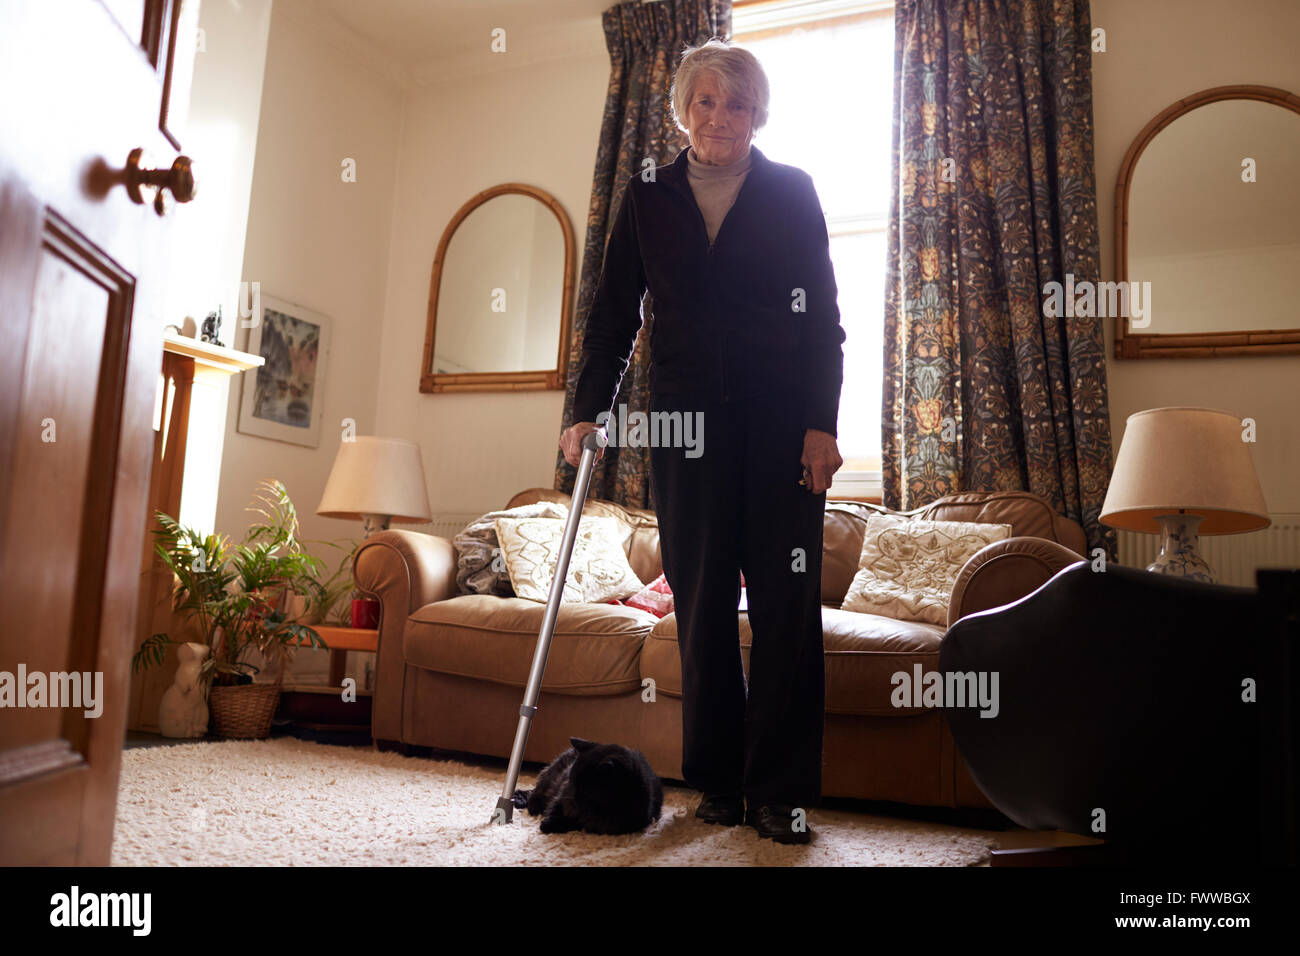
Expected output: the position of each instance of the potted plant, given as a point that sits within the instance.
(325, 601)
(235, 596)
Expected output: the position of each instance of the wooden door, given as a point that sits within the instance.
(83, 266)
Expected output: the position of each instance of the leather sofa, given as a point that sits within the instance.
(451, 667)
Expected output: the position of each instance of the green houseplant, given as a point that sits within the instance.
(235, 596)
(328, 601)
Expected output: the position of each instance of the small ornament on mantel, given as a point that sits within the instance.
(212, 328)
(188, 328)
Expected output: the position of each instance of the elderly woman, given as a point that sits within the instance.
(746, 339)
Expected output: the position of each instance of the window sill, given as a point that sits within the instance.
(856, 486)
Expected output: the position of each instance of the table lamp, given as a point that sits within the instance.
(375, 481)
(1183, 472)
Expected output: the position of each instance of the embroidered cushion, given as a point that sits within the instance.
(907, 566)
(598, 568)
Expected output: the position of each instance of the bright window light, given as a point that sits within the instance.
(832, 98)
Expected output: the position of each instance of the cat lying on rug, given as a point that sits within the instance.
(598, 788)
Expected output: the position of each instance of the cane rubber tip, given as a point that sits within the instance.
(504, 813)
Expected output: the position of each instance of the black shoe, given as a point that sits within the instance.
(777, 821)
(725, 808)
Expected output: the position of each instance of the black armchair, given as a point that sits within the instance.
(1123, 711)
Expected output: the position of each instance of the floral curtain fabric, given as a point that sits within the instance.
(645, 43)
(994, 198)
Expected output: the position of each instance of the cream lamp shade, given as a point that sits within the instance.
(377, 480)
(1184, 472)
(1191, 460)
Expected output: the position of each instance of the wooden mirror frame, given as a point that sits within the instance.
(529, 380)
(1198, 344)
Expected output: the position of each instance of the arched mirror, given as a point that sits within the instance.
(1207, 228)
(501, 295)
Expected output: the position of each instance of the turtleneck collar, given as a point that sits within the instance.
(702, 170)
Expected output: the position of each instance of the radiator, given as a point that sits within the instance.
(445, 525)
(1232, 557)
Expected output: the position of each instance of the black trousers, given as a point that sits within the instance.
(738, 507)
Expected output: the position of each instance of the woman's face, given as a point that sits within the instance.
(720, 128)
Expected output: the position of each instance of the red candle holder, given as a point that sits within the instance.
(365, 613)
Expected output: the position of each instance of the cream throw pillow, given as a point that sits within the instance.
(908, 566)
(477, 569)
(598, 569)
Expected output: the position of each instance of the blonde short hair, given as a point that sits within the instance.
(738, 71)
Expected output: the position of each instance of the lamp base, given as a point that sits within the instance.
(1178, 549)
(373, 524)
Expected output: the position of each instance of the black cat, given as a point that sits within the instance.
(599, 788)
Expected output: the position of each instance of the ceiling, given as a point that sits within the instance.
(426, 41)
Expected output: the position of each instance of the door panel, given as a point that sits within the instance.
(82, 274)
(51, 469)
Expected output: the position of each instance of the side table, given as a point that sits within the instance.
(318, 712)
(340, 640)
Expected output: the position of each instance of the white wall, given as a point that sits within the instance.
(220, 135)
(363, 252)
(319, 242)
(1159, 51)
(536, 124)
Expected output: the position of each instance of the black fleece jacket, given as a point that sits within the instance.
(756, 312)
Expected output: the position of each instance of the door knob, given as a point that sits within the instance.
(144, 184)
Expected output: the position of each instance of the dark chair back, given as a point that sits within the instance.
(1120, 702)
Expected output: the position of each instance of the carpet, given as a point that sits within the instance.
(288, 802)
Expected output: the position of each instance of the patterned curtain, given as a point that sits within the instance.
(994, 197)
(645, 43)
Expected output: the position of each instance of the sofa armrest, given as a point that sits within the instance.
(404, 571)
(1005, 571)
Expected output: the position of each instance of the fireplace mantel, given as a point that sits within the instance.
(186, 362)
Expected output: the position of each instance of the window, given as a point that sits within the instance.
(830, 64)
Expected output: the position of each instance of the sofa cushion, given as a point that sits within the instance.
(908, 565)
(846, 522)
(598, 570)
(843, 528)
(595, 651)
(656, 597)
(638, 527)
(1028, 514)
(477, 547)
(862, 653)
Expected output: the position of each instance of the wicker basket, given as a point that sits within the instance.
(243, 712)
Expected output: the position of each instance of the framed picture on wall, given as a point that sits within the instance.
(283, 400)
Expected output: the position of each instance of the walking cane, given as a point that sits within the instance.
(504, 811)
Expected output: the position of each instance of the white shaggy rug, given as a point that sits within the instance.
(288, 802)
